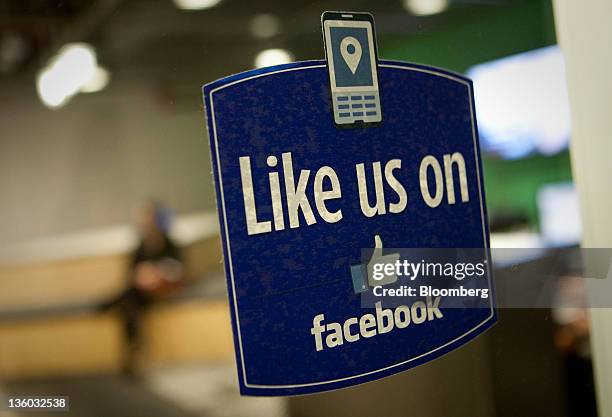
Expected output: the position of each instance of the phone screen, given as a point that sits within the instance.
(351, 62)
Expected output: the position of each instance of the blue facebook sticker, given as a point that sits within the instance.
(300, 198)
(294, 225)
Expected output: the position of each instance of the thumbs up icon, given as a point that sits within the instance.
(374, 270)
(376, 266)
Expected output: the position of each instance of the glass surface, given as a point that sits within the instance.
(104, 144)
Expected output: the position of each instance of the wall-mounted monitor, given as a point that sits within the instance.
(522, 104)
(559, 211)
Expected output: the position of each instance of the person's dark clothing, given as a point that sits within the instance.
(167, 250)
(132, 302)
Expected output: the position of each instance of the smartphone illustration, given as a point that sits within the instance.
(351, 54)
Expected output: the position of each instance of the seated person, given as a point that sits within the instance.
(155, 270)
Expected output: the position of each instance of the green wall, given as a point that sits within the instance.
(468, 35)
(513, 185)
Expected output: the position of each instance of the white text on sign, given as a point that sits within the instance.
(295, 196)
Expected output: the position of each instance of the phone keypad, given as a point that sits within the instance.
(349, 108)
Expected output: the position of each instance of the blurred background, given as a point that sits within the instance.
(111, 280)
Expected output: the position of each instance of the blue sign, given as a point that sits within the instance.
(316, 164)
(300, 197)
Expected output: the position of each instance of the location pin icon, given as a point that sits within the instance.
(350, 48)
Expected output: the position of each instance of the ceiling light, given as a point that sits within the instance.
(271, 57)
(50, 89)
(425, 7)
(13, 51)
(265, 26)
(195, 4)
(72, 70)
(97, 82)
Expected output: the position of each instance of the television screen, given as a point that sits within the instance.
(522, 104)
(559, 212)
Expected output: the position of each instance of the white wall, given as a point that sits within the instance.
(585, 32)
(86, 165)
